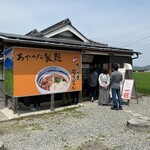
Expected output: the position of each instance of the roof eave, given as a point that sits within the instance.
(70, 46)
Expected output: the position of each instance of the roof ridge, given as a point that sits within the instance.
(34, 32)
(59, 24)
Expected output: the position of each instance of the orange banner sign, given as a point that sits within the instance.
(44, 71)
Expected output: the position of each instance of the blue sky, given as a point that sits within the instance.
(119, 23)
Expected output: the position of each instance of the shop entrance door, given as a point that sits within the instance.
(98, 62)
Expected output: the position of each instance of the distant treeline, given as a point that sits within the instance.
(144, 68)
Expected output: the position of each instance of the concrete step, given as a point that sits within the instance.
(139, 124)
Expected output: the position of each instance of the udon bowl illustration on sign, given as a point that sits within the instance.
(52, 79)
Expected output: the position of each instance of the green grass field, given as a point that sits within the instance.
(8, 77)
(142, 81)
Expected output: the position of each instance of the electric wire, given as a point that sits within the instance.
(131, 43)
(132, 36)
(131, 32)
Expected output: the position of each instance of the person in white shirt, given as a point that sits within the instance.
(104, 81)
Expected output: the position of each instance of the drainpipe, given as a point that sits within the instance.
(137, 55)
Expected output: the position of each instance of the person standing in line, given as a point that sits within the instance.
(93, 80)
(115, 79)
(104, 81)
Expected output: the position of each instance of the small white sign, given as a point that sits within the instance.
(127, 89)
(123, 71)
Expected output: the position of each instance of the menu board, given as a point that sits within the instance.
(127, 89)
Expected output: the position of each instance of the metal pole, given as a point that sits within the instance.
(14, 105)
(52, 108)
(6, 101)
(80, 97)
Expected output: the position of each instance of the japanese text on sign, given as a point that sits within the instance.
(46, 57)
(127, 89)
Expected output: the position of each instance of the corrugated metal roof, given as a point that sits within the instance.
(56, 42)
(35, 37)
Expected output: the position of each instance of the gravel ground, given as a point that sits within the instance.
(90, 127)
